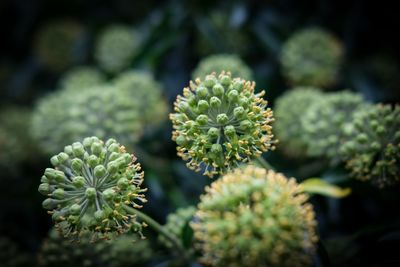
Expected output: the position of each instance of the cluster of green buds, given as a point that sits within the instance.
(312, 57)
(81, 77)
(287, 127)
(91, 187)
(122, 251)
(373, 150)
(178, 224)
(116, 47)
(326, 123)
(223, 62)
(219, 122)
(254, 217)
(57, 43)
(66, 116)
(142, 85)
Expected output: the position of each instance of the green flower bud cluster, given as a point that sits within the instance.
(373, 151)
(90, 187)
(11, 255)
(116, 47)
(177, 223)
(312, 57)
(287, 127)
(81, 77)
(104, 111)
(142, 86)
(222, 62)
(124, 250)
(254, 217)
(220, 122)
(16, 146)
(57, 43)
(326, 122)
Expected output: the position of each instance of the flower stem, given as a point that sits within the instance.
(263, 163)
(160, 229)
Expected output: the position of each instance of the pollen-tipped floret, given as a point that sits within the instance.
(142, 86)
(373, 150)
(220, 122)
(81, 77)
(287, 127)
(178, 223)
(327, 121)
(116, 47)
(90, 187)
(57, 43)
(311, 57)
(64, 117)
(253, 217)
(222, 62)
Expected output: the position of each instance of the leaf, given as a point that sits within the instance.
(321, 187)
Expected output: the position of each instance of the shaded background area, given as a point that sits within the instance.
(361, 230)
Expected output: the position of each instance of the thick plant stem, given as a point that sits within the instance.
(263, 163)
(157, 227)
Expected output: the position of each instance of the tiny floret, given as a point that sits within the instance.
(220, 122)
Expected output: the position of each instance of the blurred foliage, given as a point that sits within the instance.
(45, 41)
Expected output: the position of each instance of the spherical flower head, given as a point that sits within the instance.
(220, 122)
(287, 127)
(81, 77)
(177, 224)
(116, 47)
(57, 43)
(142, 85)
(312, 57)
(253, 217)
(372, 153)
(16, 146)
(326, 122)
(66, 116)
(90, 187)
(222, 62)
(221, 32)
(57, 250)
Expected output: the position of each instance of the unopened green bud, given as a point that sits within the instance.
(59, 193)
(202, 119)
(123, 183)
(99, 171)
(239, 112)
(203, 105)
(44, 189)
(90, 193)
(75, 209)
(76, 164)
(222, 118)
(77, 149)
(215, 102)
(202, 92)
(218, 90)
(78, 181)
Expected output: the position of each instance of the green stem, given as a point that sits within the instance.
(263, 163)
(160, 229)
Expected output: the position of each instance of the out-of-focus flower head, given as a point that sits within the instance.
(287, 126)
(312, 57)
(222, 62)
(81, 77)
